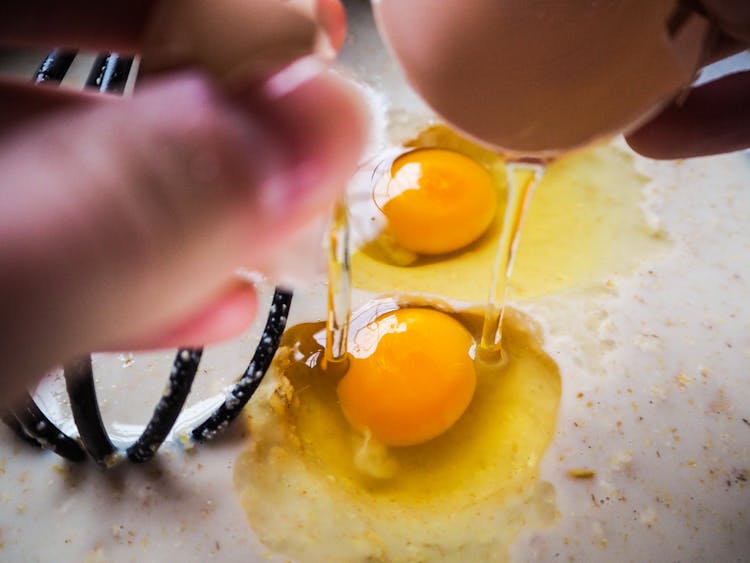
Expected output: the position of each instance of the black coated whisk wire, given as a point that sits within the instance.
(109, 74)
(55, 66)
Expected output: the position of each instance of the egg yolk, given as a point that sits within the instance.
(410, 378)
(438, 201)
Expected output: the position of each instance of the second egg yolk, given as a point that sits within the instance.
(411, 376)
(438, 201)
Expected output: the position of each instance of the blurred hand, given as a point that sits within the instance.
(715, 117)
(123, 220)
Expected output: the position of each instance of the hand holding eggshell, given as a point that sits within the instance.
(544, 77)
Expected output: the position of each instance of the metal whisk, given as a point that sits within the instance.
(110, 73)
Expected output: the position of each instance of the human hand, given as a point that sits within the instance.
(123, 220)
(714, 117)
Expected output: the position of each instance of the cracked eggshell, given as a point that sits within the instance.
(538, 77)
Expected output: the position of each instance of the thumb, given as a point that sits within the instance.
(122, 221)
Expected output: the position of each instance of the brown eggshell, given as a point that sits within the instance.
(539, 77)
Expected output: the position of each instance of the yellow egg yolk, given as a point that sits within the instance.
(410, 378)
(438, 201)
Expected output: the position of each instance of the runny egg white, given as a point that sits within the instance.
(618, 431)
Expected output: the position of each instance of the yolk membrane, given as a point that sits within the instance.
(411, 376)
(438, 201)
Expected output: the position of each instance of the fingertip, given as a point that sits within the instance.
(332, 17)
(325, 121)
(331, 126)
(714, 118)
(651, 141)
(319, 121)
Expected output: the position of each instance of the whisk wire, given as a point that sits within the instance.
(110, 74)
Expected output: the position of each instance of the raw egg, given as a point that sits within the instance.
(417, 441)
(419, 438)
(411, 378)
(585, 222)
(437, 201)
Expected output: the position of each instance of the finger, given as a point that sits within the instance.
(730, 16)
(230, 38)
(159, 199)
(331, 15)
(722, 47)
(183, 41)
(226, 38)
(21, 102)
(323, 141)
(113, 25)
(223, 317)
(714, 118)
